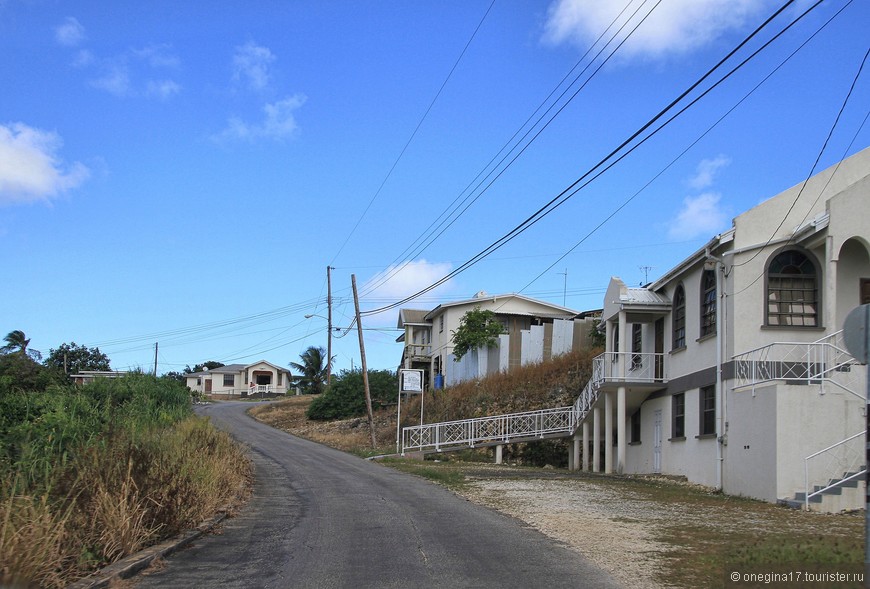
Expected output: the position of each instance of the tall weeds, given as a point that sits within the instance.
(93, 474)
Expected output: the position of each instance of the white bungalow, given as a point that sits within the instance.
(730, 369)
(241, 380)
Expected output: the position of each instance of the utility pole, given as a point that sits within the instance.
(362, 353)
(155, 358)
(565, 287)
(329, 325)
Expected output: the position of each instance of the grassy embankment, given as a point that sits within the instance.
(717, 531)
(91, 474)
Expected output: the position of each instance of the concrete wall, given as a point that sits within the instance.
(526, 345)
(750, 456)
(808, 421)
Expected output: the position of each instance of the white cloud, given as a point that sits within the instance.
(158, 56)
(123, 74)
(398, 282)
(83, 58)
(116, 80)
(162, 89)
(251, 63)
(70, 33)
(707, 170)
(700, 215)
(279, 122)
(674, 27)
(30, 169)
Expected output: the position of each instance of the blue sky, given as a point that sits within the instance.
(184, 172)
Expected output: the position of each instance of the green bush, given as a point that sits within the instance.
(345, 398)
(19, 372)
(41, 429)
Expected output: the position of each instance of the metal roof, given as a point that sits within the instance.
(412, 317)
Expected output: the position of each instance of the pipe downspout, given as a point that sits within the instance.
(721, 269)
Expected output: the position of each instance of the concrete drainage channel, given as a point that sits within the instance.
(133, 564)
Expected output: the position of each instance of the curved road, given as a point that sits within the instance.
(321, 518)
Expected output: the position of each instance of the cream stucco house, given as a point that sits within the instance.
(528, 324)
(730, 369)
(241, 380)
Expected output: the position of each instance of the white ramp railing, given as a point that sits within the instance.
(468, 433)
(834, 466)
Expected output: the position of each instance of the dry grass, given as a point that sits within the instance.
(350, 435)
(117, 498)
(555, 383)
(120, 518)
(32, 542)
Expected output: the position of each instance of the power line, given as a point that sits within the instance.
(414, 133)
(686, 150)
(810, 175)
(449, 215)
(571, 190)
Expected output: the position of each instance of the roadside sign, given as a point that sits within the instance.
(410, 380)
(856, 336)
(856, 333)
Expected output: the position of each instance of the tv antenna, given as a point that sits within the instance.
(645, 270)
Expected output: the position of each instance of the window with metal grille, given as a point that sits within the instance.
(678, 415)
(792, 290)
(708, 303)
(635, 427)
(707, 398)
(229, 380)
(636, 345)
(679, 318)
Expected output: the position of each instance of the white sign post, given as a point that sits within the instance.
(410, 381)
(856, 333)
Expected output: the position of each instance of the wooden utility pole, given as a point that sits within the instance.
(362, 353)
(155, 358)
(328, 326)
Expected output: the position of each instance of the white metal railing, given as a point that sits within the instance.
(261, 389)
(586, 400)
(483, 430)
(819, 362)
(835, 465)
(639, 367)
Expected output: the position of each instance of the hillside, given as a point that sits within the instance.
(555, 383)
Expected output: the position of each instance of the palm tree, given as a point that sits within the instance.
(312, 370)
(17, 342)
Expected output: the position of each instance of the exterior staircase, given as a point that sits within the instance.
(834, 476)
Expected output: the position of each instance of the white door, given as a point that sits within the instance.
(657, 443)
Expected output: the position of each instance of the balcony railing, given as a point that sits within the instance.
(819, 362)
(418, 350)
(639, 367)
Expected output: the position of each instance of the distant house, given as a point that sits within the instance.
(88, 376)
(241, 380)
(730, 369)
(533, 331)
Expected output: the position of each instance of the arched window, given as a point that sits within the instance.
(679, 318)
(792, 290)
(708, 303)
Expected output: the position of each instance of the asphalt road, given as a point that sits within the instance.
(321, 518)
